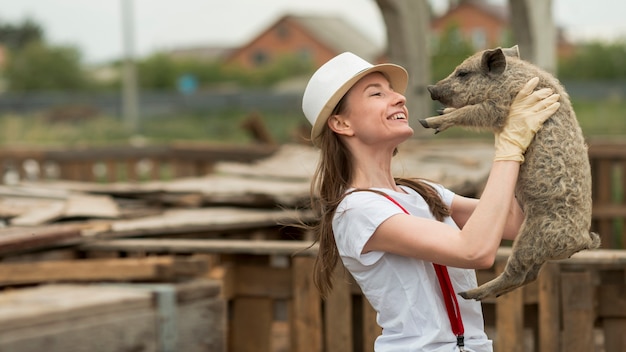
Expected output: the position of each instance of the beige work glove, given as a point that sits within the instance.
(526, 116)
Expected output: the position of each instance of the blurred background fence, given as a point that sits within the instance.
(155, 103)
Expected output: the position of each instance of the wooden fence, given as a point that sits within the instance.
(576, 305)
(122, 163)
(608, 168)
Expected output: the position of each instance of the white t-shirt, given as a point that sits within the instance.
(404, 291)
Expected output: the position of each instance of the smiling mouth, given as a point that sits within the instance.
(398, 116)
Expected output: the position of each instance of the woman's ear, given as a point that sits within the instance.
(339, 125)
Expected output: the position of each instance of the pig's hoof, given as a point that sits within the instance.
(424, 123)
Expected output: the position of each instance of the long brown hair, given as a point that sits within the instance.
(330, 182)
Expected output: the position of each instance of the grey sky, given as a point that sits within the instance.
(95, 26)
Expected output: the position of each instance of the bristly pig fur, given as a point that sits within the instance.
(554, 183)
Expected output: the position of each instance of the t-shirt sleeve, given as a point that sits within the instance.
(355, 221)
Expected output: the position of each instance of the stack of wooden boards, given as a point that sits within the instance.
(63, 275)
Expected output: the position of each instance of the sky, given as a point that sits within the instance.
(95, 26)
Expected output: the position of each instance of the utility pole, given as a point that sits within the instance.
(408, 33)
(130, 97)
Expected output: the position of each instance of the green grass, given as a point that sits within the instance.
(598, 119)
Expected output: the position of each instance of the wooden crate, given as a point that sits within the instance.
(187, 316)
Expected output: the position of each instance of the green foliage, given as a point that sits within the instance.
(15, 37)
(162, 72)
(450, 51)
(282, 68)
(595, 61)
(37, 66)
(157, 72)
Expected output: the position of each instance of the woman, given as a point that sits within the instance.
(389, 232)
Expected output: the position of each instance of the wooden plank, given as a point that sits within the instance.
(607, 149)
(549, 308)
(609, 211)
(602, 196)
(53, 303)
(15, 240)
(111, 170)
(509, 318)
(251, 326)
(131, 169)
(29, 205)
(577, 297)
(215, 219)
(597, 258)
(338, 314)
(148, 268)
(371, 330)
(620, 184)
(256, 247)
(258, 281)
(605, 259)
(614, 336)
(612, 311)
(306, 328)
(612, 301)
(225, 274)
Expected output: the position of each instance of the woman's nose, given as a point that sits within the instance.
(400, 99)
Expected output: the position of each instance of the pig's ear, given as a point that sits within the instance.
(493, 62)
(511, 52)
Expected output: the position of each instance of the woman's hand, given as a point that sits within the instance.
(528, 112)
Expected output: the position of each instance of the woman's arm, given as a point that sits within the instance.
(474, 246)
(463, 207)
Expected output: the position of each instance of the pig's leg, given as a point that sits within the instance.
(521, 267)
(480, 116)
(516, 273)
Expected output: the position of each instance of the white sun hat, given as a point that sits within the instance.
(333, 79)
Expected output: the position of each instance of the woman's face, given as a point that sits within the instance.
(373, 113)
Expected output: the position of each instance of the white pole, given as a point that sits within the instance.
(130, 100)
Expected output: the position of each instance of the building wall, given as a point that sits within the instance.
(286, 37)
(470, 21)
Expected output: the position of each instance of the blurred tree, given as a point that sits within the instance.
(15, 37)
(157, 72)
(162, 72)
(37, 66)
(450, 50)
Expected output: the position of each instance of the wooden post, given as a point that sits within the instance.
(509, 318)
(603, 171)
(371, 330)
(549, 308)
(577, 295)
(613, 312)
(338, 315)
(307, 318)
(253, 324)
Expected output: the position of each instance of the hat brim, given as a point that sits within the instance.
(397, 76)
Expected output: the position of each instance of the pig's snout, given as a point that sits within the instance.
(434, 94)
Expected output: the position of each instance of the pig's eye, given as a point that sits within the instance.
(461, 73)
